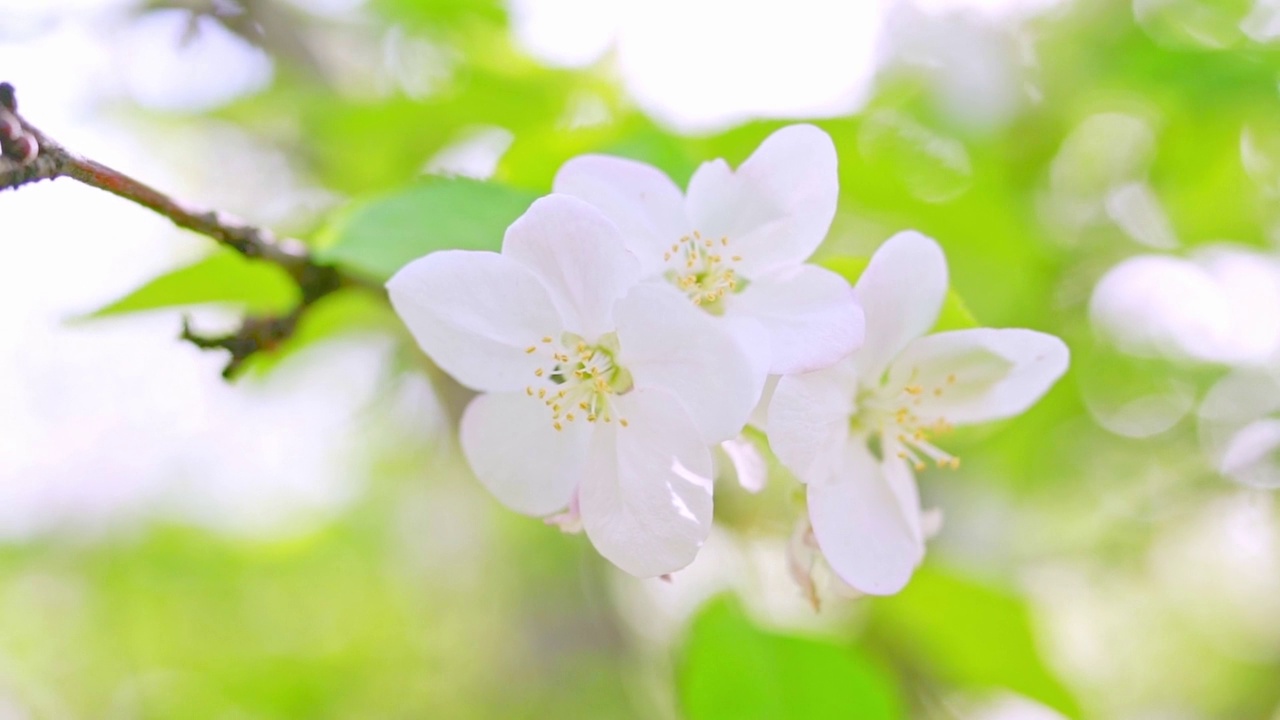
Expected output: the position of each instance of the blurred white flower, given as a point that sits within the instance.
(855, 432)
(736, 244)
(601, 394)
(1221, 305)
(1098, 179)
(975, 70)
(1240, 427)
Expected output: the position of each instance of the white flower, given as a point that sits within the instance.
(855, 432)
(602, 395)
(736, 244)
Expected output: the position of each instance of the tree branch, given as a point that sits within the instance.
(28, 156)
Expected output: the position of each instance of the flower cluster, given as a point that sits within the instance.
(626, 328)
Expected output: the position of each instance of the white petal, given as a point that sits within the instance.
(809, 420)
(901, 293)
(475, 313)
(753, 343)
(860, 527)
(667, 342)
(777, 208)
(970, 376)
(759, 418)
(642, 201)
(515, 452)
(579, 255)
(569, 521)
(748, 464)
(897, 473)
(810, 314)
(646, 497)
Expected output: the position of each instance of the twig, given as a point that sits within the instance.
(27, 156)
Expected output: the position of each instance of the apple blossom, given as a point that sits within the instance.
(737, 242)
(599, 395)
(856, 432)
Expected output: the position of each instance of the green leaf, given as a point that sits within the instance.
(955, 314)
(970, 634)
(381, 236)
(733, 670)
(224, 277)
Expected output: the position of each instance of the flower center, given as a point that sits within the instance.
(704, 269)
(578, 380)
(891, 414)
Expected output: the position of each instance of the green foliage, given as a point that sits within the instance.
(224, 277)
(183, 623)
(735, 671)
(970, 635)
(380, 236)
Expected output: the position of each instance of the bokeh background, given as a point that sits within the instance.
(306, 543)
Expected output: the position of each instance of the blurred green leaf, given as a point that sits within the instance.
(970, 634)
(224, 277)
(444, 14)
(346, 312)
(381, 236)
(955, 314)
(733, 670)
